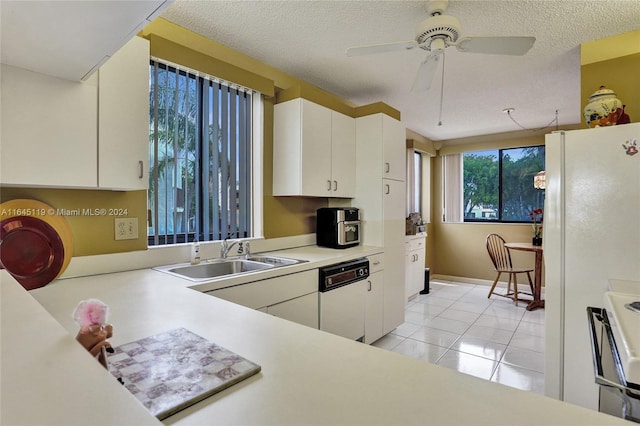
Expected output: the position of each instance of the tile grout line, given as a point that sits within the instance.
(449, 306)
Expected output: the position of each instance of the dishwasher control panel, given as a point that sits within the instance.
(344, 273)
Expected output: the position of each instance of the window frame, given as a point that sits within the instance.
(500, 152)
(254, 168)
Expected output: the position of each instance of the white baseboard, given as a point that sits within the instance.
(478, 281)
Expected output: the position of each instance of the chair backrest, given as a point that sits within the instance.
(498, 253)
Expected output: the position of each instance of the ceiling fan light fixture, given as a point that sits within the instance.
(442, 26)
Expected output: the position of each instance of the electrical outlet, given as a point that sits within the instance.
(126, 228)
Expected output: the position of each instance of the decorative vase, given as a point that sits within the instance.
(603, 109)
(536, 241)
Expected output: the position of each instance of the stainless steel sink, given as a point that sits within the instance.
(275, 260)
(218, 268)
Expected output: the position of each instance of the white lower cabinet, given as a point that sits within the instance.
(394, 272)
(380, 194)
(303, 310)
(374, 306)
(293, 297)
(414, 264)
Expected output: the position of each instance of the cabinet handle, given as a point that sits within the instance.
(369, 289)
(141, 169)
(328, 185)
(335, 185)
(386, 167)
(377, 262)
(387, 189)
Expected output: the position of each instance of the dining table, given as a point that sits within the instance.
(537, 302)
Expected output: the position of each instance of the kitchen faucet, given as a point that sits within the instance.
(225, 248)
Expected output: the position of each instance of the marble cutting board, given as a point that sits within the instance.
(170, 371)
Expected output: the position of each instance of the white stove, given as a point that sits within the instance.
(625, 324)
(615, 345)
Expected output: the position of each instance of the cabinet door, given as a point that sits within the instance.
(123, 124)
(409, 271)
(414, 261)
(316, 150)
(301, 149)
(394, 149)
(48, 130)
(394, 248)
(373, 325)
(303, 310)
(343, 155)
(394, 194)
(260, 294)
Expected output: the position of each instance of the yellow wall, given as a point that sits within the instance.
(458, 249)
(617, 74)
(283, 216)
(613, 62)
(451, 247)
(92, 234)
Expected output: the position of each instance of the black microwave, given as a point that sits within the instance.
(338, 227)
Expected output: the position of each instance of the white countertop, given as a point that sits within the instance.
(308, 376)
(625, 286)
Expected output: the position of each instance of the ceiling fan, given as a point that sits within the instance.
(440, 31)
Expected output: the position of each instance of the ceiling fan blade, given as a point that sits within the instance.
(426, 72)
(380, 48)
(496, 45)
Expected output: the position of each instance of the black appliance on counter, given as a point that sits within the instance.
(338, 227)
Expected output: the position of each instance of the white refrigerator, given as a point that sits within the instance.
(591, 235)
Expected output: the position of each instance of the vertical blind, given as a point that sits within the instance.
(200, 157)
(452, 191)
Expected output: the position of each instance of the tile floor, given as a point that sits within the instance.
(456, 326)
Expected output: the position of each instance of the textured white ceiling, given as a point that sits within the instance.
(308, 39)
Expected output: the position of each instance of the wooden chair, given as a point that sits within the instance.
(501, 258)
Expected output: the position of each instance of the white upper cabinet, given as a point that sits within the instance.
(48, 130)
(93, 134)
(343, 155)
(123, 117)
(381, 140)
(70, 39)
(313, 151)
(393, 143)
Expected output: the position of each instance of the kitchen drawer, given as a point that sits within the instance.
(415, 244)
(376, 263)
(259, 294)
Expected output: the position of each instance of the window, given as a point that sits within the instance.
(414, 179)
(200, 137)
(496, 185)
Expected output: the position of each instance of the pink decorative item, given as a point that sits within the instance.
(90, 312)
(91, 316)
